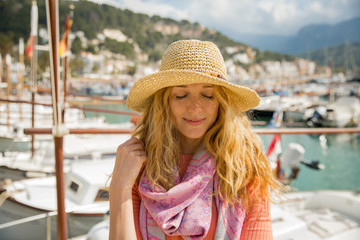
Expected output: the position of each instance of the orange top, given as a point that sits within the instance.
(257, 224)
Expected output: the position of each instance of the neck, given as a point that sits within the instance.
(189, 145)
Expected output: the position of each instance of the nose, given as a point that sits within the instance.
(194, 104)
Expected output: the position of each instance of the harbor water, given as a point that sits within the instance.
(340, 153)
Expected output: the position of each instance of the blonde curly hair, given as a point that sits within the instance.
(241, 164)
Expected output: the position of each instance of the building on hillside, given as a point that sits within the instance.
(289, 70)
(115, 34)
(256, 71)
(272, 69)
(83, 39)
(306, 67)
(92, 63)
(251, 53)
(236, 73)
(166, 29)
(242, 57)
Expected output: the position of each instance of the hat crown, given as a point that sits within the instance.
(195, 55)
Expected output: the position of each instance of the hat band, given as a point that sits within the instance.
(213, 74)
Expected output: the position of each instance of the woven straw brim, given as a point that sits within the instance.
(140, 94)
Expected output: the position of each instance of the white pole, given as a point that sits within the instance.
(33, 33)
(8, 87)
(21, 75)
(1, 72)
(34, 19)
(21, 46)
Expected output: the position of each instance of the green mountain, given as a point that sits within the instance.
(92, 19)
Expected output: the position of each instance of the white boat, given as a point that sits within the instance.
(344, 112)
(12, 139)
(316, 215)
(20, 165)
(293, 107)
(12, 124)
(86, 202)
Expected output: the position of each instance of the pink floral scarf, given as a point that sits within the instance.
(185, 209)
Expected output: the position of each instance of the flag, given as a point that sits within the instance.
(277, 118)
(273, 154)
(33, 30)
(29, 47)
(274, 149)
(63, 45)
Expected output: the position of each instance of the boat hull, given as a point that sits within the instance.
(14, 145)
(317, 215)
(16, 174)
(11, 210)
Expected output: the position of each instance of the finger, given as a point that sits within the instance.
(135, 147)
(131, 141)
(141, 152)
(130, 145)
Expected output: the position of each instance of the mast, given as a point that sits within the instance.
(65, 44)
(8, 86)
(59, 130)
(33, 35)
(21, 74)
(1, 73)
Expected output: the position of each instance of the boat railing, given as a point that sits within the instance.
(75, 106)
(261, 131)
(46, 216)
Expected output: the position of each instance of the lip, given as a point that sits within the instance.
(194, 122)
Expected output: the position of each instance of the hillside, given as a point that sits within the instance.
(150, 34)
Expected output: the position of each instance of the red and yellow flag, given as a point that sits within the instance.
(63, 45)
(29, 47)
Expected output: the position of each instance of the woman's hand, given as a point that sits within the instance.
(130, 157)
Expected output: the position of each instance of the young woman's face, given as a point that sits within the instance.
(194, 109)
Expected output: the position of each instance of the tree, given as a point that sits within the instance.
(124, 48)
(6, 44)
(76, 46)
(155, 56)
(76, 65)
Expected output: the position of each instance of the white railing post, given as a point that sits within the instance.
(48, 227)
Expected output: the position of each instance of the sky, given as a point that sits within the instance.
(236, 17)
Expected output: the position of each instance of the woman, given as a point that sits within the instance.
(194, 169)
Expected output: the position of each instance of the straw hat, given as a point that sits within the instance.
(188, 62)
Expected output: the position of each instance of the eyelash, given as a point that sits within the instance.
(183, 96)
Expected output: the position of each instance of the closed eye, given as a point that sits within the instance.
(209, 97)
(181, 96)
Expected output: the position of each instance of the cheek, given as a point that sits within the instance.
(212, 109)
(175, 110)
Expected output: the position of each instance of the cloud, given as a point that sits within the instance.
(282, 17)
(284, 12)
(150, 7)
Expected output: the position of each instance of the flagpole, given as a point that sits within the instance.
(8, 83)
(68, 23)
(21, 74)
(58, 128)
(33, 35)
(1, 72)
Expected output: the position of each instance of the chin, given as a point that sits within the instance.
(194, 136)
